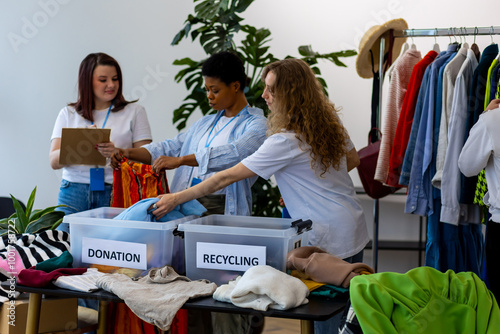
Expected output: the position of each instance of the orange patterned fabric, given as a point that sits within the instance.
(135, 181)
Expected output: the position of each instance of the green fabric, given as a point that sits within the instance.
(481, 189)
(424, 300)
(330, 291)
(488, 83)
(65, 260)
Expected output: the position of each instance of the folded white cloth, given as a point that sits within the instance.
(85, 282)
(263, 287)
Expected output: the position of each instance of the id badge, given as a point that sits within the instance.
(195, 181)
(97, 179)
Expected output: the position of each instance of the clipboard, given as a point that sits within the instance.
(78, 146)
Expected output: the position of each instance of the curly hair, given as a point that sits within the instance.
(227, 67)
(300, 105)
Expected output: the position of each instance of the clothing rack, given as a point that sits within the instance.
(435, 32)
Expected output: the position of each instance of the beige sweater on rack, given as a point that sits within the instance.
(398, 83)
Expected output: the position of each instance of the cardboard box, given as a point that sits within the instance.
(56, 314)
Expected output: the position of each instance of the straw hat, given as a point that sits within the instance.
(371, 41)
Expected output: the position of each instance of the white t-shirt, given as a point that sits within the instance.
(329, 201)
(128, 126)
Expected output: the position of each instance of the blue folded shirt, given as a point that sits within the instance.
(140, 211)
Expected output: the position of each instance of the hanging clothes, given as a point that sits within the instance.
(451, 211)
(404, 178)
(400, 76)
(418, 200)
(449, 77)
(405, 119)
(475, 108)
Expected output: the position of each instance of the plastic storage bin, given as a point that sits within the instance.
(98, 239)
(219, 248)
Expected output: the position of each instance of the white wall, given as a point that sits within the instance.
(43, 41)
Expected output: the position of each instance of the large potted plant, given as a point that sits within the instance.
(215, 24)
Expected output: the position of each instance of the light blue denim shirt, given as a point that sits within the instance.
(417, 201)
(248, 134)
(404, 178)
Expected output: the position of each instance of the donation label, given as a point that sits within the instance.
(114, 253)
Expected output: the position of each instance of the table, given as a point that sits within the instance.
(318, 308)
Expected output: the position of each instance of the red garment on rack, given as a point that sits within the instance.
(405, 120)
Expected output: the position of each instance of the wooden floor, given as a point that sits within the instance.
(281, 326)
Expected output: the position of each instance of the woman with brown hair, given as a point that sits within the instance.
(100, 104)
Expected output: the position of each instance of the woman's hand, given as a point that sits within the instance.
(117, 157)
(494, 104)
(164, 162)
(106, 149)
(167, 203)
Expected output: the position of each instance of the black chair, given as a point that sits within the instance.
(7, 208)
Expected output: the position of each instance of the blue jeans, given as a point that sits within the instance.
(78, 197)
(332, 325)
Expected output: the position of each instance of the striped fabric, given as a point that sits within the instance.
(31, 249)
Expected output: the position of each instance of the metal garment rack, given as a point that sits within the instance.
(435, 32)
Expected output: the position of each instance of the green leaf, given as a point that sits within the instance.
(208, 9)
(56, 224)
(38, 213)
(4, 225)
(31, 201)
(44, 222)
(21, 220)
(17, 225)
(241, 5)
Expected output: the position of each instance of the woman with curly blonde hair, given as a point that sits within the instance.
(305, 110)
(310, 154)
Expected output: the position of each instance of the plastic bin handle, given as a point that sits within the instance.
(302, 225)
(178, 233)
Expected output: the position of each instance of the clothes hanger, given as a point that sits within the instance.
(464, 34)
(413, 46)
(492, 32)
(474, 47)
(451, 31)
(458, 38)
(436, 45)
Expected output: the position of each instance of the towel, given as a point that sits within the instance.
(262, 287)
(140, 211)
(320, 266)
(156, 297)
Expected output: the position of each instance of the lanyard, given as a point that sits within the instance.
(209, 140)
(107, 115)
